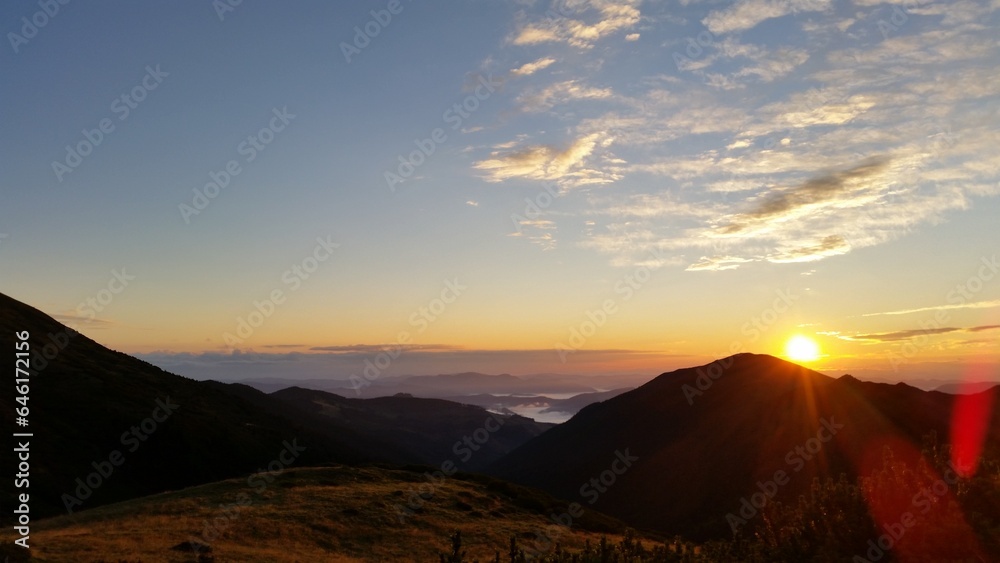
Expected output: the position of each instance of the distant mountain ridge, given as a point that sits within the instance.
(555, 397)
(706, 436)
(675, 455)
(101, 434)
(971, 387)
(457, 384)
(430, 430)
(570, 405)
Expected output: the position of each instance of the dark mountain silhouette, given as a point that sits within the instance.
(574, 404)
(442, 386)
(87, 401)
(704, 437)
(494, 392)
(675, 455)
(429, 430)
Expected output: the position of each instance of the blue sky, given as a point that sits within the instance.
(722, 153)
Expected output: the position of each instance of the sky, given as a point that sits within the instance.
(577, 186)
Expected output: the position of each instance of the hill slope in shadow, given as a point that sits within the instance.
(432, 431)
(132, 429)
(703, 438)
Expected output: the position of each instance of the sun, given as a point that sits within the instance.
(802, 349)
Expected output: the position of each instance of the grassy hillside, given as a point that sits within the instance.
(335, 513)
(87, 402)
(97, 416)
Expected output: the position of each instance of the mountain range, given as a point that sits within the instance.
(552, 397)
(87, 402)
(683, 454)
(704, 438)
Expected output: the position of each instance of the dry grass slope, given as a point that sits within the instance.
(312, 514)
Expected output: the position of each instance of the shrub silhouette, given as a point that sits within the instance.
(834, 521)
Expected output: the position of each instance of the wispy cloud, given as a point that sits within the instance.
(895, 336)
(583, 30)
(909, 334)
(780, 205)
(746, 14)
(766, 68)
(538, 231)
(755, 63)
(369, 348)
(79, 321)
(717, 263)
(546, 162)
(831, 245)
(859, 141)
(651, 206)
(561, 93)
(948, 307)
(528, 69)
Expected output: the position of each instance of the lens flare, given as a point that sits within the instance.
(970, 423)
